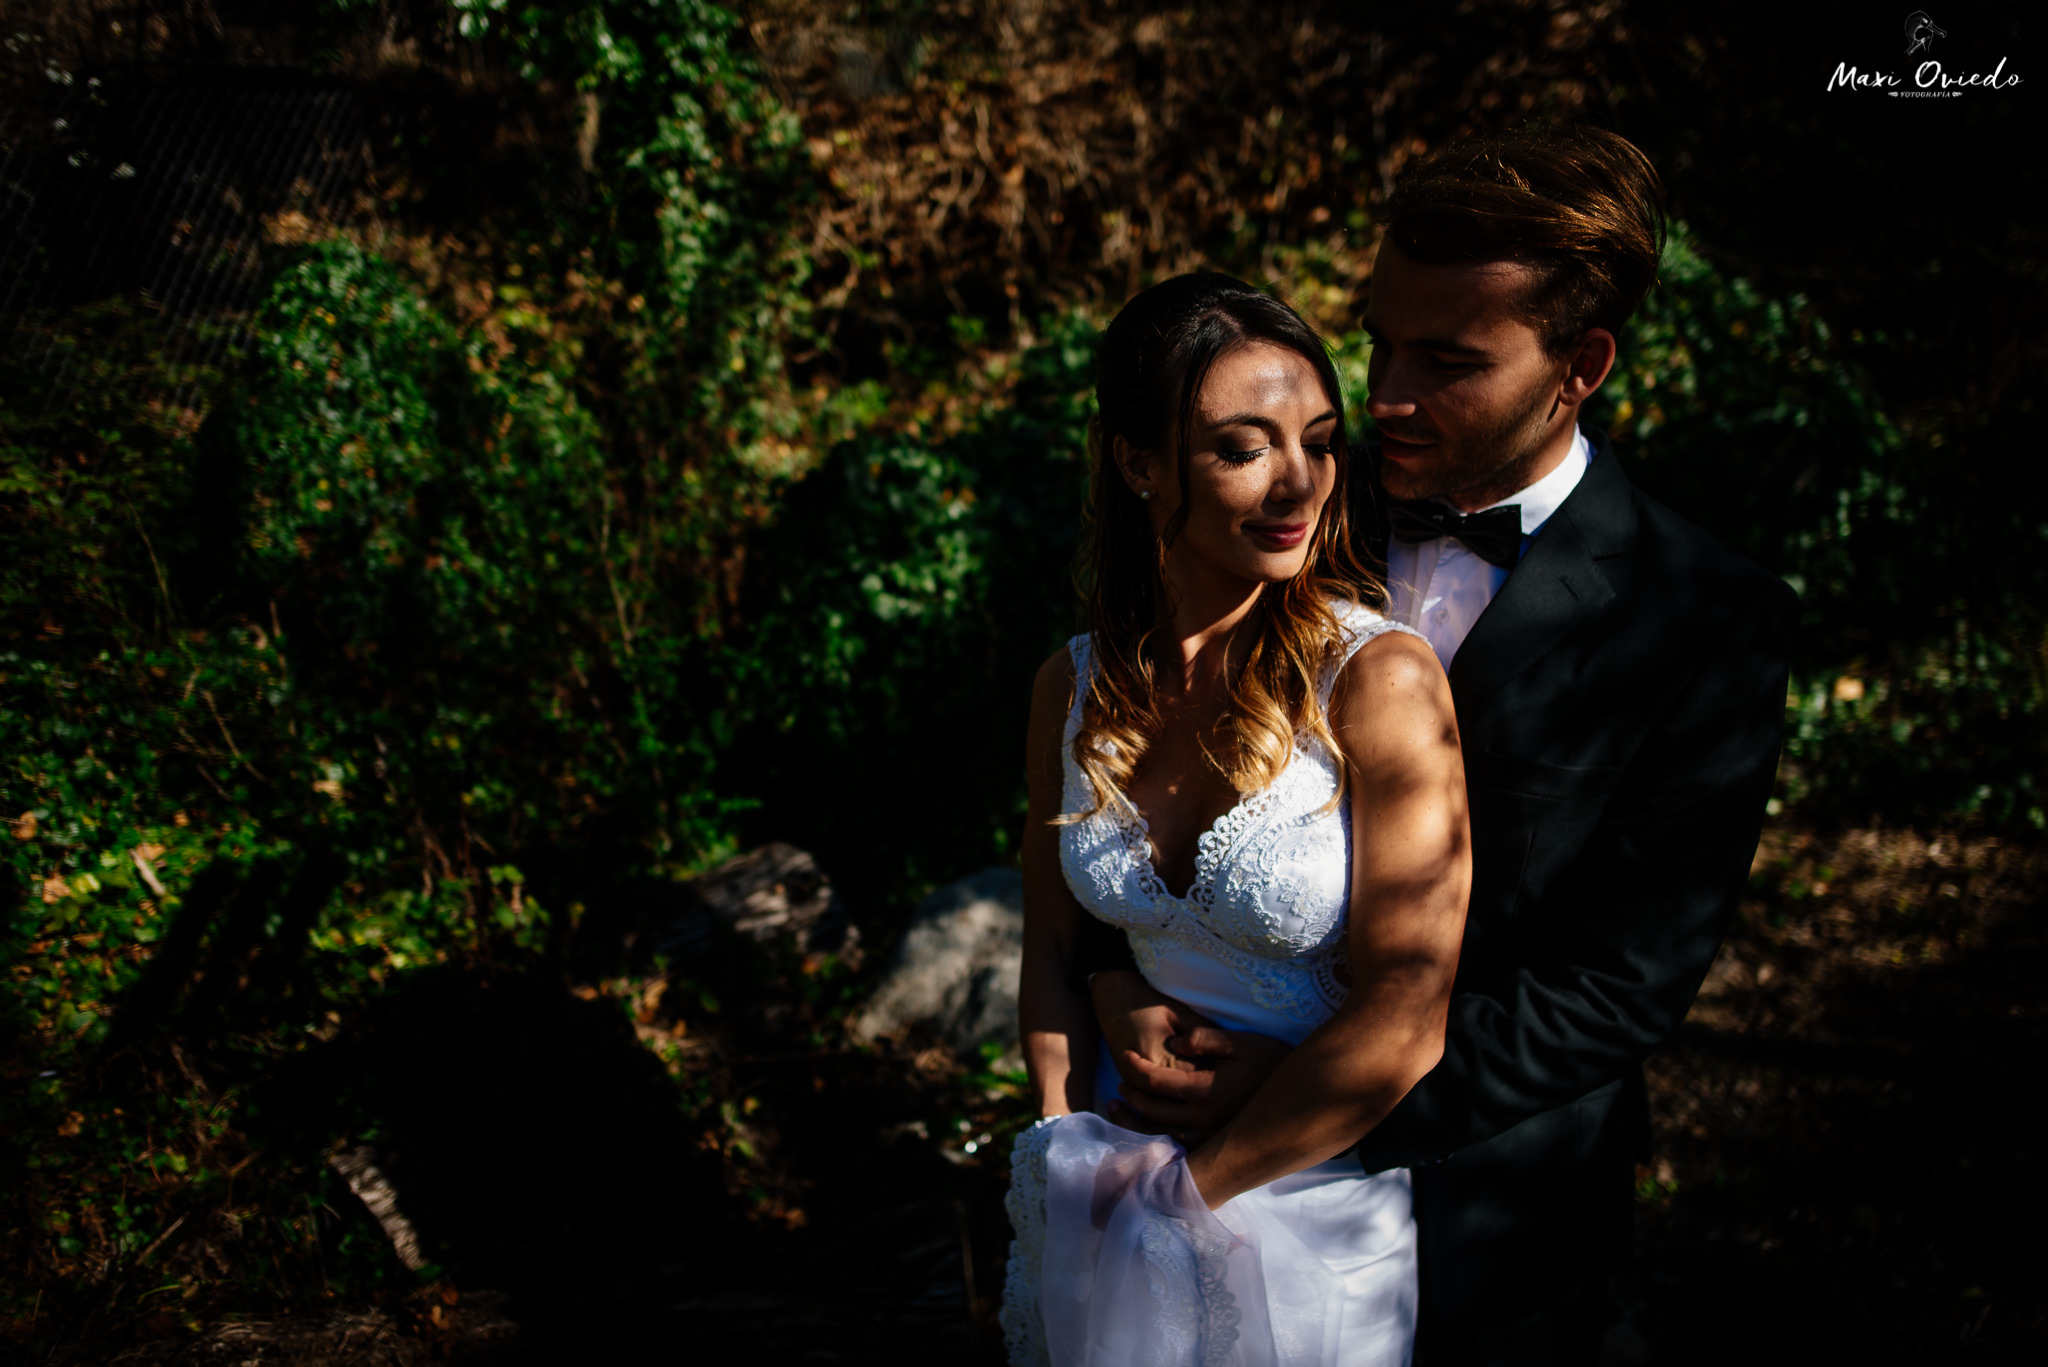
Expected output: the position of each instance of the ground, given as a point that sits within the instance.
(1841, 1156)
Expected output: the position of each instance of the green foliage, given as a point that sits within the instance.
(246, 824)
(418, 631)
(894, 620)
(1917, 689)
(446, 537)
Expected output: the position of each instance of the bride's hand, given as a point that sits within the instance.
(1214, 1073)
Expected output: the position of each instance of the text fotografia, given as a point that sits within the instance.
(1929, 79)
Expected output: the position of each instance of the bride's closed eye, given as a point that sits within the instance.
(1231, 455)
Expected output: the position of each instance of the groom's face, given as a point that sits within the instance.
(1465, 397)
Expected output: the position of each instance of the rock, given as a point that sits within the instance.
(956, 971)
(776, 892)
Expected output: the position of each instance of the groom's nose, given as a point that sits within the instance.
(1390, 396)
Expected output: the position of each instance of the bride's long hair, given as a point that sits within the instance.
(1149, 371)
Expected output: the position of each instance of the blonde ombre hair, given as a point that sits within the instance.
(1149, 371)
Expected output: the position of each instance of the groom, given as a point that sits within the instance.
(1619, 678)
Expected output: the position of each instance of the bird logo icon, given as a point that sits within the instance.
(1921, 32)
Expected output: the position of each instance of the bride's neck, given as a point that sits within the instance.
(1205, 638)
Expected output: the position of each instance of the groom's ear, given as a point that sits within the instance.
(1588, 365)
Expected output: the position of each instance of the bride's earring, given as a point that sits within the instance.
(1145, 494)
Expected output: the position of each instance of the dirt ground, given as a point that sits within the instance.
(1845, 1161)
(1842, 1170)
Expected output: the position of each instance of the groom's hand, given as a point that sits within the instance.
(1215, 1073)
(1182, 1073)
(1138, 1020)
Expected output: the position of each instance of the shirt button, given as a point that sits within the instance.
(1442, 615)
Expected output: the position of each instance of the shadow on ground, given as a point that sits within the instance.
(1844, 1128)
(535, 1146)
(581, 1204)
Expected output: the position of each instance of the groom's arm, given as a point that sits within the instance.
(1637, 919)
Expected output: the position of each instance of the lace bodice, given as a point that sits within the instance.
(1272, 875)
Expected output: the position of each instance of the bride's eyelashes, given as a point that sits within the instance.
(1234, 456)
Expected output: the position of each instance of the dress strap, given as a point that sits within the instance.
(1081, 649)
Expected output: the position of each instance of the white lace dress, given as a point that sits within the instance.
(1116, 1261)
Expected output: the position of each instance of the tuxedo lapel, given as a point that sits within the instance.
(1559, 583)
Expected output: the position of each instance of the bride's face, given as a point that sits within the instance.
(1260, 468)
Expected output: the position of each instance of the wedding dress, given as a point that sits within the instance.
(1116, 1259)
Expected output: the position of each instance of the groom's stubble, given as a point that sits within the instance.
(1479, 468)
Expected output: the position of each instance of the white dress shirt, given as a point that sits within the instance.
(1440, 587)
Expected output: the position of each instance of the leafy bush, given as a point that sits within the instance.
(894, 619)
(403, 652)
(1917, 690)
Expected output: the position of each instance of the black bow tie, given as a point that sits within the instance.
(1495, 535)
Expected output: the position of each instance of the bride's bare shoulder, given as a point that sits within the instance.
(1052, 695)
(1052, 692)
(1396, 659)
(1392, 697)
(1056, 675)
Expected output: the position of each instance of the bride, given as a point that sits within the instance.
(1255, 775)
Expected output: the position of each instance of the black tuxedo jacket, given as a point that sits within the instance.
(1621, 703)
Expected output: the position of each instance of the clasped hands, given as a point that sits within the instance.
(1183, 1075)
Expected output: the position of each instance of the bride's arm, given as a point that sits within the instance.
(1410, 876)
(1057, 1022)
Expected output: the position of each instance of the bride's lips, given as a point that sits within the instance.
(1283, 537)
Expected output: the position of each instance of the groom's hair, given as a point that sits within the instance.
(1579, 205)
